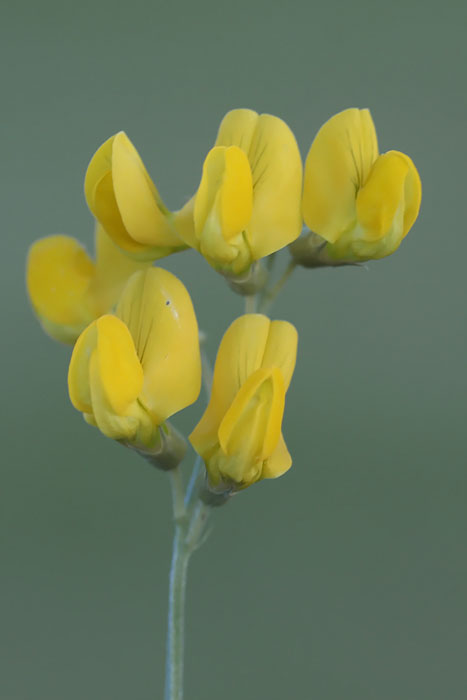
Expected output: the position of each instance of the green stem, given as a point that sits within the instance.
(195, 474)
(176, 621)
(177, 585)
(206, 373)
(178, 498)
(197, 525)
(188, 535)
(250, 304)
(270, 262)
(271, 294)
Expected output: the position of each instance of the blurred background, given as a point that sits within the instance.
(347, 577)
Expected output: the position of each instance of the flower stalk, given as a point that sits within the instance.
(177, 587)
(271, 294)
(176, 615)
(190, 521)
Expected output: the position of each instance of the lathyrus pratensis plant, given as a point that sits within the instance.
(136, 358)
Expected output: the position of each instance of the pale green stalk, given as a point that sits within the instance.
(271, 295)
(177, 586)
(207, 373)
(190, 518)
(250, 304)
(188, 534)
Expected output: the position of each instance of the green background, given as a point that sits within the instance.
(346, 578)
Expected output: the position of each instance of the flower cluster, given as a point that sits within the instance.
(136, 355)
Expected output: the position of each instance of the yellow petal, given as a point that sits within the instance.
(78, 371)
(113, 425)
(225, 192)
(278, 463)
(251, 342)
(100, 197)
(122, 197)
(276, 168)
(252, 425)
(382, 195)
(59, 272)
(185, 224)
(237, 129)
(61, 333)
(117, 363)
(105, 379)
(113, 269)
(281, 349)
(337, 166)
(137, 198)
(240, 354)
(157, 309)
(120, 372)
(277, 187)
(412, 193)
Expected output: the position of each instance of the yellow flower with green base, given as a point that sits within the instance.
(248, 202)
(240, 434)
(68, 289)
(124, 199)
(358, 204)
(131, 371)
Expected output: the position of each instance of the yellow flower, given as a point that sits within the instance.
(239, 435)
(67, 289)
(248, 203)
(362, 203)
(123, 198)
(131, 371)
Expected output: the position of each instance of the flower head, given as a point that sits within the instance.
(239, 435)
(248, 201)
(131, 371)
(123, 198)
(67, 289)
(362, 203)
